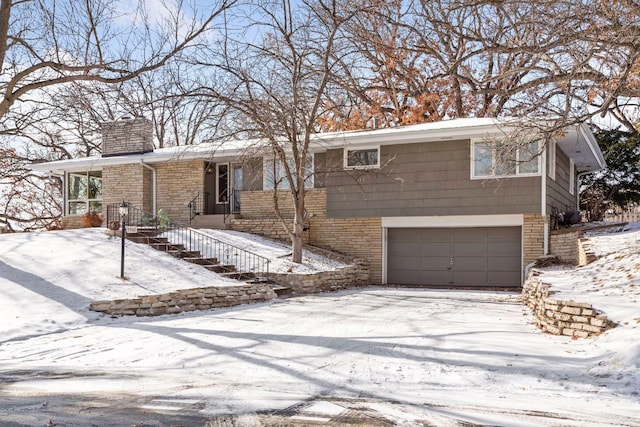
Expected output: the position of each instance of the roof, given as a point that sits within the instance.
(577, 142)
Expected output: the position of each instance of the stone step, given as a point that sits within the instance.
(140, 238)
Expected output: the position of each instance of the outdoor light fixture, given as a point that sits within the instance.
(123, 210)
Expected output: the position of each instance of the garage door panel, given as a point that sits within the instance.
(470, 264)
(404, 263)
(435, 249)
(469, 235)
(433, 235)
(503, 263)
(469, 249)
(404, 249)
(506, 233)
(403, 235)
(469, 278)
(434, 278)
(435, 263)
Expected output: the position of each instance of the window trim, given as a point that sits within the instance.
(518, 174)
(551, 158)
(346, 151)
(572, 177)
(87, 201)
(266, 162)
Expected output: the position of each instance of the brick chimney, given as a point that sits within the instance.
(127, 136)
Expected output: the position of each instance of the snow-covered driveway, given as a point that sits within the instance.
(409, 356)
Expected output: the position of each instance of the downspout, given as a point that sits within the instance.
(153, 185)
(543, 203)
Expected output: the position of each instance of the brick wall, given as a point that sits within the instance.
(127, 136)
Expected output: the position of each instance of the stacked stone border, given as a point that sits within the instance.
(561, 317)
(354, 275)
(186, 300)
(570, 245)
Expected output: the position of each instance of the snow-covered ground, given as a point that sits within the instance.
(412, 356)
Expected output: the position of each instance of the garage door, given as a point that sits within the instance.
(450, 257)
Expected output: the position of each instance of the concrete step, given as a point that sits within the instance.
(181, 253)
(220, 268)
(239, 275)
(202, 261)
(215, 222)
(166, 246)
(282, 290)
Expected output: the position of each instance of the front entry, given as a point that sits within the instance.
(222, 182)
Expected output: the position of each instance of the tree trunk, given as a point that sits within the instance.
(296, 236)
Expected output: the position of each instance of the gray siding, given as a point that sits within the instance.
(558, 194)
(424, 179)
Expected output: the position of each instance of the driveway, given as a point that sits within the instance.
(369, 357)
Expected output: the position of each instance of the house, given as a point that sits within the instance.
(450, 203)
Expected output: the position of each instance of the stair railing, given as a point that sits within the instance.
(209, 247)
(193, 207)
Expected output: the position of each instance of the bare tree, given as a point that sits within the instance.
(64, 67)
(275, 88)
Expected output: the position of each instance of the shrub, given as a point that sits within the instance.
(92, 219)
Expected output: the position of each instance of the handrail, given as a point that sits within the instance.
(192, 240)
(193, 207)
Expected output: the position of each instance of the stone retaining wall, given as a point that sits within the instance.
(567, 243)
(186, 300)
(325, 281)
(561, 317)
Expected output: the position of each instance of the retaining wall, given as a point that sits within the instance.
(187, 300)
(561, 317)
(325, 281)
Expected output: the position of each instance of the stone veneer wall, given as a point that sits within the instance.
(130, 183)
(127, 136)
(186, 300)
(532, 238)
(561, 317)
(359, 238)
(569, 246)
(178, 182)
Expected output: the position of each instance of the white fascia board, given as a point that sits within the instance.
(590, 139)
(453, 221)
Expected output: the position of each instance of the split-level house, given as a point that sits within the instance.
(428, 204)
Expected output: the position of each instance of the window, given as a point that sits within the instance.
(362, 158)
(274, 173)
(497, 159)
(84, 192)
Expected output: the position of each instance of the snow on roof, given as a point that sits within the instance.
(227, 150)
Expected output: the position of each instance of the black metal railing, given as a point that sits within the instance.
(192, 240)
(198, 205)
(227, 254)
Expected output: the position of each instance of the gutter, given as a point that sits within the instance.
(153, 185)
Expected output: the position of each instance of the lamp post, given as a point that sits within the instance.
(123, 210)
